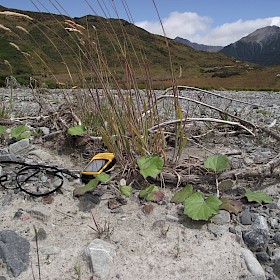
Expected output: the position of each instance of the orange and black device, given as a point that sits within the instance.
(101, 162)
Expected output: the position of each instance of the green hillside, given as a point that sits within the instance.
(106, 47)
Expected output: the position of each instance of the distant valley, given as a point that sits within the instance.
(261, 47)
(47, 49)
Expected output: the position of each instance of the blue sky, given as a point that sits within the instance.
(212, 22)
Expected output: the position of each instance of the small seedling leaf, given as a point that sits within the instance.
(17, 132)
(183, 194)
(126, 190)
(147, 191)
(150, 166)
(217, 163)
(232, 206)
(2, 129)
(77, 130)
(199, 208)
(89, 187)
(257, 196)
(103, 177)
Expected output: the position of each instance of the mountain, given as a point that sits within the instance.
(199, 47)
(91, 50)
(46, 47)
(261, 47)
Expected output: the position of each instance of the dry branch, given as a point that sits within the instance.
(152, 129)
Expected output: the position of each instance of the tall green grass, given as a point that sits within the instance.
(113, 104)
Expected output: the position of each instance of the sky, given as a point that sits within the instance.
(209, 22)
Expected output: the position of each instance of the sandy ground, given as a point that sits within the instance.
(148, 246)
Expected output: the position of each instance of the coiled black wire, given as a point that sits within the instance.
(53, 170)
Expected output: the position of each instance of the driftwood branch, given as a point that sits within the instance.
(268, 170)
(163, 124)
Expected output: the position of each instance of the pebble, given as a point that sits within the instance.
(19, 146)
(217, 230)
(252, 263)
(222, 218)
(101, 255)
(14, 251)
(277, 238)
(41, 234)
(40, 213)
(255, 240)
(171, 218)
(260, 223)
(245, 217)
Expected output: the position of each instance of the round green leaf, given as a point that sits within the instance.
(217, 163)
(198, 208)
(77, 130)
(126, 190)
(150, 166)
(18, 132)
(183, 194)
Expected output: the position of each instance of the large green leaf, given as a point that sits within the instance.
(217, 163)
(199, 208)
(183, 194)
(257, 196)
(77, 130)
(150, 166)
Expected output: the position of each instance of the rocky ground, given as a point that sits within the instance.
(104, 235)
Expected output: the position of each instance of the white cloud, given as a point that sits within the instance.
(184, 24)
(198, 29)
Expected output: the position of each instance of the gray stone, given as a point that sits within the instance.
(171, 218)
(217, 230)
(45, 130)
(14, 251)
(222, 218)
(277, 238)
(40, 213)
(41, 234)
(7, 199)
(260, 223)
(101, 254)
(19, 146)
(276, 254)
(276, 269)
(252, 263)
(278, 203)
(246, 218)
(8, 157)
(262, 257)
(42, 155)
(256, 240)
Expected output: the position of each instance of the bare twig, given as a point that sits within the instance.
(152, 129)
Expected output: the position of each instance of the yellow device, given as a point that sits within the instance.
(99, 163)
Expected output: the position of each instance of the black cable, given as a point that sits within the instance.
(53, 170)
